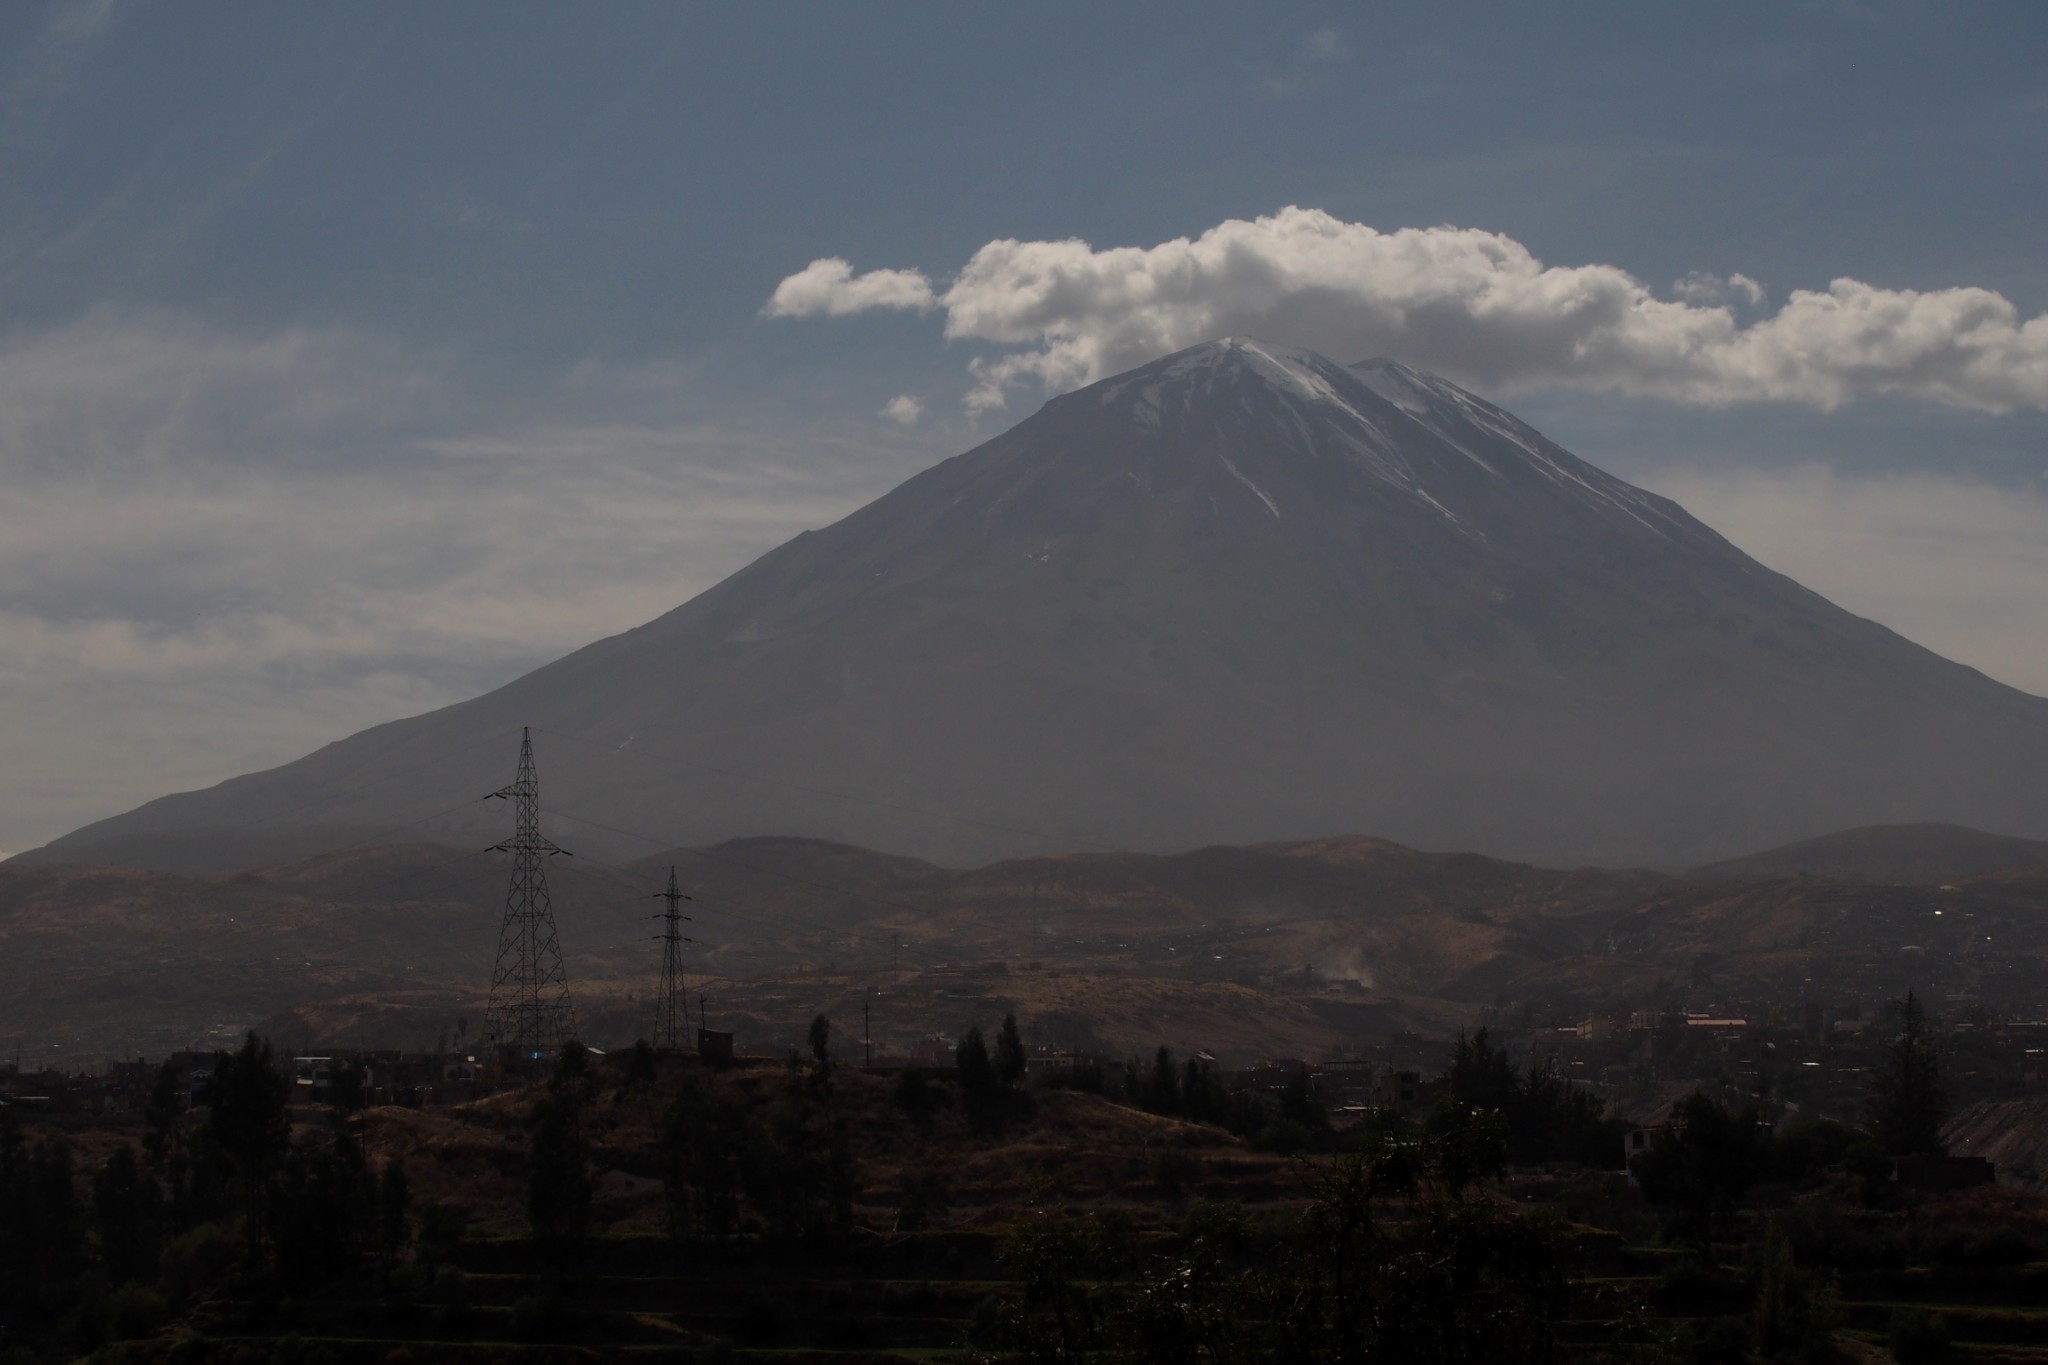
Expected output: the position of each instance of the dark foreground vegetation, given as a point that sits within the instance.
(643, 1206)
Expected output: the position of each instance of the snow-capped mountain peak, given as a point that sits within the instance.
(1242, 592)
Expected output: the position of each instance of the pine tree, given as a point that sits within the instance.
(558, 1188)
(128, 1214)
(821, 1046)
(1908, 1102)
(1009, 1059)
(160, 1115)
(246, 1116)
(978, 1082)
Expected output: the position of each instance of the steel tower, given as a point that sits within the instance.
(529, 1010)
(672, 1009)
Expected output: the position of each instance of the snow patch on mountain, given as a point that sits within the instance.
(1238, 474)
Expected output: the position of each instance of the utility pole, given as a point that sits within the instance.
(529, 1010)
(668, 1029)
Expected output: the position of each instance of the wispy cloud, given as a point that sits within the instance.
(903, 409)
(219, 549)
(1478, 306)
(1958, 565)
(1318, 51)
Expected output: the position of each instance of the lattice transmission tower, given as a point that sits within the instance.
(672, 1008)
(529, 1011)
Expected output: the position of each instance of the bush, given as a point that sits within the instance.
(1173, 1170)
(136, 1310)
(1720, 1341)
(914, 1093)
(202, 1257)
(1282, 1137)
(538, 1316)
(441, 1226)
(923, 1196)
(1692, 1288)
(1918, 1337)
(451, 1290)
(1086, 1078)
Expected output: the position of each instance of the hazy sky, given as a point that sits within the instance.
(354, 359)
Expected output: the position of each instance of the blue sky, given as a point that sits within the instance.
(354, 359)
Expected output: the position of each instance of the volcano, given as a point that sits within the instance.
(1241, 593)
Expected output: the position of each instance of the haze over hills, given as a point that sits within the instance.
(1924, 855)
(1242, 593)
(1286, 949)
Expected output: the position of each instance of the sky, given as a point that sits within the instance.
(356, 359)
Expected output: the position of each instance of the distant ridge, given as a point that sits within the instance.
(1897, 855)
(196, 852)
(1241, 594)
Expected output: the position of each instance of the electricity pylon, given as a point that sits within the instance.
(671, 1022)
(529, 1010)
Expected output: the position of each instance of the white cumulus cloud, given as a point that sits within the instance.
(829, 288)
(1477, 306)
(1710, 290)
(903, 408)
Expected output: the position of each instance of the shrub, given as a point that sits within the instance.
(537, 1316)
(1918, 1337)
(1173, 1170)
(1282, 1137)
(442, 1226)
(923, 1196)
(135, 1310)
(914, 1093)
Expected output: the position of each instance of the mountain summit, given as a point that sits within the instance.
(1241, 593)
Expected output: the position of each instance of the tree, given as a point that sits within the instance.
(1702, 1164)
(821, 1046)
(978, 1082)
(322, 1208)
(246, 1127)
(1908, 1102)
(1061, 1311)
(1549, 1119)
(1398, 1257)
(558, 1185)
(1298, 1103)
(797, 1167)
(1481, 1076)
(394, 1211)
(1794, 1313)
(1009, 1058)
(128, 1215)
(1160, 1090)
(702, 1142)
(160, 1115)
(640, 1070)
(349, 1090)
(40, 1230)
(246, 1120)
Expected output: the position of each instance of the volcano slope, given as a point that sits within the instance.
(1241, 593)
